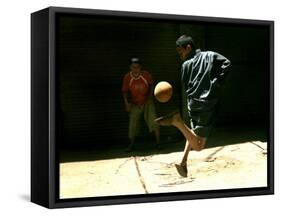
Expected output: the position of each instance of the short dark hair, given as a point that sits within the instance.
(185, 40)
(135, 60)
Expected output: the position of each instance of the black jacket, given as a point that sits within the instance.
(202, 76)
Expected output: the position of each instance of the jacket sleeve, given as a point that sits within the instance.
(221, 68)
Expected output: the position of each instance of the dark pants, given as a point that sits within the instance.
(202, 122)
(202, 119)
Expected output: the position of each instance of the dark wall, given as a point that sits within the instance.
(244, 99)
(93, 57)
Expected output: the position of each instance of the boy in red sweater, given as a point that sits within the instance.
(137, 91)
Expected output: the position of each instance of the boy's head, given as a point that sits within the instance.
(184, 46)
(135, 65)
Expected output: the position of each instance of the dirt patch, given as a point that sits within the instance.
(234, 166)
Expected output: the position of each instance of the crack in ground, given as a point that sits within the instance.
(179, 182)
(140, 176)
(122, 164)
(256, 144)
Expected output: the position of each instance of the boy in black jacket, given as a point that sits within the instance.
(202, 75)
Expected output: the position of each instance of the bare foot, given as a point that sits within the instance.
(182, 170)
(169, 119)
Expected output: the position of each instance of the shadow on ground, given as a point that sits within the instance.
(25, 197)
(220, 137)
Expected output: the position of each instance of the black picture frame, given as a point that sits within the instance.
(44, 111)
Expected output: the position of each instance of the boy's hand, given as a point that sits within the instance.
(128, 107)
